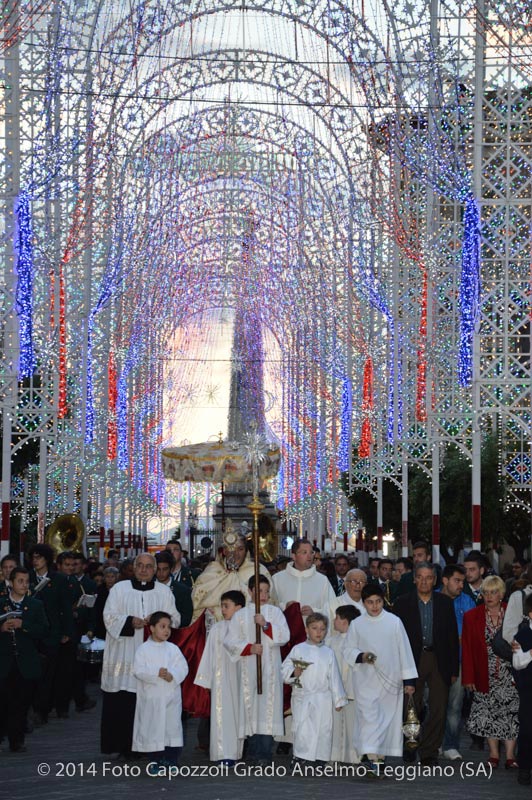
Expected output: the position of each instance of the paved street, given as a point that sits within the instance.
(70, 750)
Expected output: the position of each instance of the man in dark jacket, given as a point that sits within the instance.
(430, 623)
(53, 590)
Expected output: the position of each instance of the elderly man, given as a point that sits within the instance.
(430, 624)
(127, 610)
(232, 570)
(354, 582)
(301, 583)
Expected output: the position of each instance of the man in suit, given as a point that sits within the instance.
(180, 573)
(384, 580)
(341, 565)
(181, 591)
(476, 569)
(430, 623)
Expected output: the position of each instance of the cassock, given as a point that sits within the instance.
(158, 708)
(314, 704)
(378, 687)
(221, 675)
(127, 599)
(259, 713)
(343, 721)
(307, 587)
(216, 579)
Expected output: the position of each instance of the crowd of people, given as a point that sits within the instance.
(318, 656)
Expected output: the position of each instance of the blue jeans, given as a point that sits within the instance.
(453, 722)
(260, 747)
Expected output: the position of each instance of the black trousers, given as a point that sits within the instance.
(43, 700)
(118, 717)
(15, 699)
(434, 724)
(70, 677)
(524, 739)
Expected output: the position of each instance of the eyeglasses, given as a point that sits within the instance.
(352, 580)
(490, 592)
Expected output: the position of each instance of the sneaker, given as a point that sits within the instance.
(452, 755)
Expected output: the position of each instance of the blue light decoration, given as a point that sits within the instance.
(520, 468)
(346, 423)
(111, 282)
(469, 297)
(23, 245)
(372, 289)
(131, 360)
(281, 498)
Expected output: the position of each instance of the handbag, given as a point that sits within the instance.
(500, 647)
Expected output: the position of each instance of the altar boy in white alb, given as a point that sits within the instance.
(260, 716)
(221, 676)
(379, 685)
(160, 668)
(321, 692)
(343, 750)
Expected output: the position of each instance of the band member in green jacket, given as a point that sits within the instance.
(23, 626)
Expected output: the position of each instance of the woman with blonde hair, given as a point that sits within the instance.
(495, 700)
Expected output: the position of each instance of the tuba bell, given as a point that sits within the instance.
(66, 533)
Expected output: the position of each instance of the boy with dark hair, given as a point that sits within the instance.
(23, 624)
(221, 675)
(160, 668)
(383, 667)
(343, 749)
(260, 716)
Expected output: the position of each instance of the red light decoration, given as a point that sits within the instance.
(112, 394)
(364, 449)
(421, 410)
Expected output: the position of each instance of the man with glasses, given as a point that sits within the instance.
(430, 624)
(127, 610)
(354, 582)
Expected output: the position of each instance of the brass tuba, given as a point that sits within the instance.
(66, 533)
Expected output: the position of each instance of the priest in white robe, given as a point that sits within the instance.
(301, 583)
(127, 610)
(379, 687)
(320, 694)
(218, 673)
(230, 571)
(260, 716)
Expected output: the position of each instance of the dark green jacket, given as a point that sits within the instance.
(84, 618)
(57, 599)
(183, 601)
(22, 647)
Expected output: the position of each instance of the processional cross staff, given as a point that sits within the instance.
(256, 449)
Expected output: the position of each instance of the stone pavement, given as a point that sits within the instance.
(63, 760)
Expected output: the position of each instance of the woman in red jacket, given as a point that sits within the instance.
(495, 699)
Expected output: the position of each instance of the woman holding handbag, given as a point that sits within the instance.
(495, 700)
